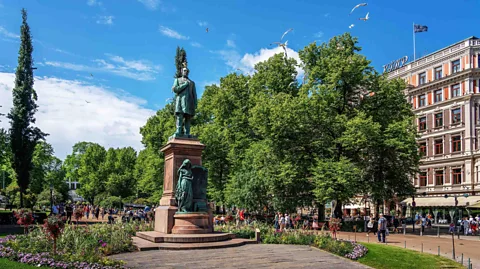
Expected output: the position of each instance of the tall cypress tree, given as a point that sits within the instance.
(180, 58)
(23, 136)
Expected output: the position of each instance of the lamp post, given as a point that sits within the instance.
(51, 199)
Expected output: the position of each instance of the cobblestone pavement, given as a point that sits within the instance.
(248, 256)
(468, 246)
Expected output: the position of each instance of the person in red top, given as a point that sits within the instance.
(242, 216)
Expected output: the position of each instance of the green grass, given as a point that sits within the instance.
(385, 257)
(6, 264)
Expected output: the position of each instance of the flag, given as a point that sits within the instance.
(417, 28)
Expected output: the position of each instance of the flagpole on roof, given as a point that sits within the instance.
(414, 55)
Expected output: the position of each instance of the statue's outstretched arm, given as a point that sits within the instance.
(179, 88)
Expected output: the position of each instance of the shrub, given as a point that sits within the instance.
(337, 247)
(24, 218)
(53, 227)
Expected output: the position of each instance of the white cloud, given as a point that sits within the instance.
(142, 70)
(231, 43)
(196, 44)
(110, 119)
(318, 34)
(247, 63)
(94, 3)
(150, 4)
(202, 23)
(8, 34)
(64, 52)
(172, 33)
(108, 20)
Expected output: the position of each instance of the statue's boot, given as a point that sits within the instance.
(187, 126)
(179, 125)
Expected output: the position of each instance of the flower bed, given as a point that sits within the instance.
(77, 246)
(324, 241)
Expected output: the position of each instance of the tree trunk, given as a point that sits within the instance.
(21, 198)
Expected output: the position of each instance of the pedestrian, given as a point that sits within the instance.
(371, 226)
(382, 228)
(69, 210)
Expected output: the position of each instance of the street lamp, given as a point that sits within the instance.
(51, 199)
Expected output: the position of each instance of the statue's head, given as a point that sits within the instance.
(185, 72)
(186, 164)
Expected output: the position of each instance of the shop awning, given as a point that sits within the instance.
(477, 205)
(442, 201)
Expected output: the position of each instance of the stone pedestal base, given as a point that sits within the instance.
(164, 218)
(191, 223)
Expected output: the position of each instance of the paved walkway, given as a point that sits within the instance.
(469, 246)
(248, 257)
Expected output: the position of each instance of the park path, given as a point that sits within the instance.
(247, 256)
(469, 246)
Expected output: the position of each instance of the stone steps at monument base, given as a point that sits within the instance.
(157, 237)
(144, 245)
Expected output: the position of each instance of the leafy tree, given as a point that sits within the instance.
(24, 136)
(180, 59)
(149, 165)
(149, 175)
(72, 161)
(47, 171)
(91, 172)
(119, 167)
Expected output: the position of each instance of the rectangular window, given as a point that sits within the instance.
(456, 143)
(421, 100)
(439, 120)
(423, 178)
(438, 146)
(438, 72)
(456, 116)
(422, 123)
(456, 66)
(455, 90)
(438, 95)
(423, 149)
(422, 78)
(438, 177)
(457, 175)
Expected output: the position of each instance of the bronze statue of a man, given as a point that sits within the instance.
(185, 103)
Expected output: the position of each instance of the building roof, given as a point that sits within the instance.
(439, 50)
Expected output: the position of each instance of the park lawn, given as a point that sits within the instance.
(385, 257)
(7, 264)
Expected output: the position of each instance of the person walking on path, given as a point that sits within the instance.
(382, 228)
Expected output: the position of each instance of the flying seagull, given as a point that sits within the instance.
(289, 30)
(366, 17)
(87, 102)
(357, 6)
(351, 26)
(91, 74)
(206, 30)
(283, 45)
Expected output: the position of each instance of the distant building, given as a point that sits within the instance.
(72, 186)
(443, 88)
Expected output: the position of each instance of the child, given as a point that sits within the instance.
(451, 229)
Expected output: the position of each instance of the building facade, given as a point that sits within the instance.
(443, 88)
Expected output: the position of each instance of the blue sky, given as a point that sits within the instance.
(129, 45)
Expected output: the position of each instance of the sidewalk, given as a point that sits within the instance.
(466, 245)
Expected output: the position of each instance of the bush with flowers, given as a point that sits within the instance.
(53, 227)
(24, 218)
(77, 246)
(78, 214)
